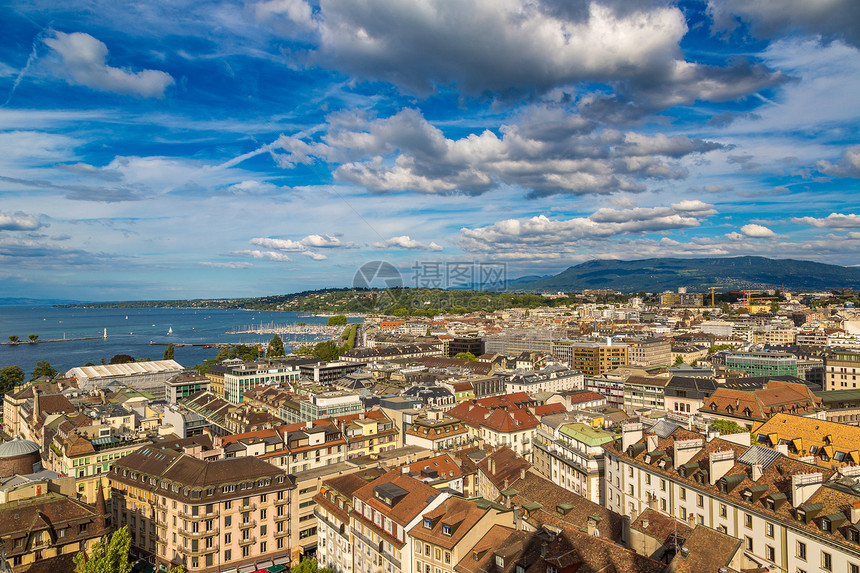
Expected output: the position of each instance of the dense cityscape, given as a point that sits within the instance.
(657, 434)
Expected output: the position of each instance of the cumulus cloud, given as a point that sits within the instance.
(544, 150)
(302, 246)
(85, 61)
(829, 18)
(267, 255)
(514, 47)
(406, 242)
(757, 231)
(848, 166)
(832, 221)
(19, 221)
(226, 264)
(540, 234)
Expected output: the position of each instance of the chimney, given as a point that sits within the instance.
(855, 512)
(684, 450)
(35, 406)
(543, 549)
(757, 471)
(652, 442)
(522, 473)
(592, 528)
(803, 486)
(630, 434)
(645, 523)
(719, 463)
(516, 517)
(492, 466)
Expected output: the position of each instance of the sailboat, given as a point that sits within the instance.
(105, 333)
(170, 330)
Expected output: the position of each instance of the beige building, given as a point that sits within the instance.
(841, 369)
(446, 534)
(207, 515)
(649, 352)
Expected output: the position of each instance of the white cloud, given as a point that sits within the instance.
(514, 47)
(757, 231)
(267, 255)
(768, 18)
(85, 60)
(226, 264)
(832, 221)
(848, 166)
(545, 150)
(19, 221)
(406, 242)
(544, 234)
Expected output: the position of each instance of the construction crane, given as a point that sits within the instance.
(748, 297)
(712, 289)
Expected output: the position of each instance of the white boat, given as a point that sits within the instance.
(170, 330)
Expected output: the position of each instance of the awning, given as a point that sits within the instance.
(247, 568)
(284, 560)
(276, 568)
(265, 564)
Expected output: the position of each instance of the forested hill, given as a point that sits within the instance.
(656, 275)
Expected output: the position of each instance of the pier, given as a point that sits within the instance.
(52, 340)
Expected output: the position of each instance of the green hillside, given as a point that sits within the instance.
(655, 275)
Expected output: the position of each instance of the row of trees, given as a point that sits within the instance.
(12, 375)
(32, 337)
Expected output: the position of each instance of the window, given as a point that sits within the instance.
(446, 530)
(853, 568)
(662, 485)
(748, 543)
(801, 550)
(748, 520)
(768, 530)
(722, 510)
(663, 504)
(683, 513)
(826, 561)
(700, 500)
(648, 479)
(769, 553)
(683, 494)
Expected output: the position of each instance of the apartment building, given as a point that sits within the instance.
(208, 515)
(571, 455)
(323, 405)
(333, 506)
(749, 407)
(241, 377)
(384, 512)
(762, 363)
(841, 369)
(790, 515)
(548, 379)
(810, 440)
(445, 535)
(510, 426)
(185, 384)
(435, 431)
(593, 358)
(644, 392)
(649, 352)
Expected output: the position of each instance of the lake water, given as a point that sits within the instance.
(129, 331)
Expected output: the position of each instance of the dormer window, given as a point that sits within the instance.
(446, 530)
(428, 523)
(825, 524)
(500, 561)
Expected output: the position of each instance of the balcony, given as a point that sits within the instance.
(195, 534)
(247, 524)
(248, 541)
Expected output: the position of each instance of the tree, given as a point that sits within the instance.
(309, 566)
(108, 555)
(327, 350)
(774, 306)
(169, 352)
(43, 368)
(726, 427)
(122, 359)
(678, 361)
(337, 320)
(465, 356)
(32, 337)
(13, 339)
(276, 346)
(9, 376)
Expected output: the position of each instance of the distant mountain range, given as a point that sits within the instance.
(735, 273)
(21, 301)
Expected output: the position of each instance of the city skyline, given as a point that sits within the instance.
(220, 149)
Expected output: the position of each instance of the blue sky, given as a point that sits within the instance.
(217, 149)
